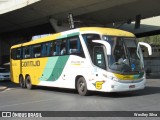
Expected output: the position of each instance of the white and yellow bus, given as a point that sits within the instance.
(86, 59)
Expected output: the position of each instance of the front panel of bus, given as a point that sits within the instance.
(123, 69)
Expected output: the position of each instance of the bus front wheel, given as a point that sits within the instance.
(82, 87)
(28, 83)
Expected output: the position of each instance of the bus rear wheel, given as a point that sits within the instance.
(82, 87)
(28, 83)
(21, 82)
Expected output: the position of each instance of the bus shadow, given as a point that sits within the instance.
(8, 84)
(149, 90)
(55, 89)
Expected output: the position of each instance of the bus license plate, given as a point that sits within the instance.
(132, 86)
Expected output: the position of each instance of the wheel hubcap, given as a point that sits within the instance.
(82, 86)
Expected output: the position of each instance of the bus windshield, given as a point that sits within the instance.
(126, 56)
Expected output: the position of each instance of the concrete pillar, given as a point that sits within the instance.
(0, 51)
(5, 51)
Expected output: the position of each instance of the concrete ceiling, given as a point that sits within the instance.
(100, 12)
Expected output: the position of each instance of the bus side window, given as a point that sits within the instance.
(37, 51)
(54, 53)
(44, 49)
(47, 49)
(58, 43)
(50, 49)
(63, 47)
(90, 45)
(27, 52)
(18, 54)
(74, 46)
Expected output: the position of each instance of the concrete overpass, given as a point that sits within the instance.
(21, 19)
(20, 14)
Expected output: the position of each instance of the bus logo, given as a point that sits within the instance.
(30, 63)
(98, 84)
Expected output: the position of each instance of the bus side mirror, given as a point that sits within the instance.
(106, 44)
(147, 46)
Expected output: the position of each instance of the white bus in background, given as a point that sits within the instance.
(86, 59)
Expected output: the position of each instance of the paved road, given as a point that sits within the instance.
(51, 99)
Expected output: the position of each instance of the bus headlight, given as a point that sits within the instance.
(113, 78)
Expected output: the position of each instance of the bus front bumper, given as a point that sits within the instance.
(121, 87)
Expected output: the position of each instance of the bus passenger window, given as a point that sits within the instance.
(57, 52)
(88, 39)
(75, 47)
(90, 45)
(50, 49)
(54, 49)
(63, 49)
(44, 49)
(27, 53)
(37, 51)
(18, 53)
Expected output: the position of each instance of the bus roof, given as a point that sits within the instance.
(107, 31)
(97, 30)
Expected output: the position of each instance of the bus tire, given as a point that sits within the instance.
(82, 87)
(21, 81)
(28, 83)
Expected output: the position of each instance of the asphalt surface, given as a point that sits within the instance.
(13, 98)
